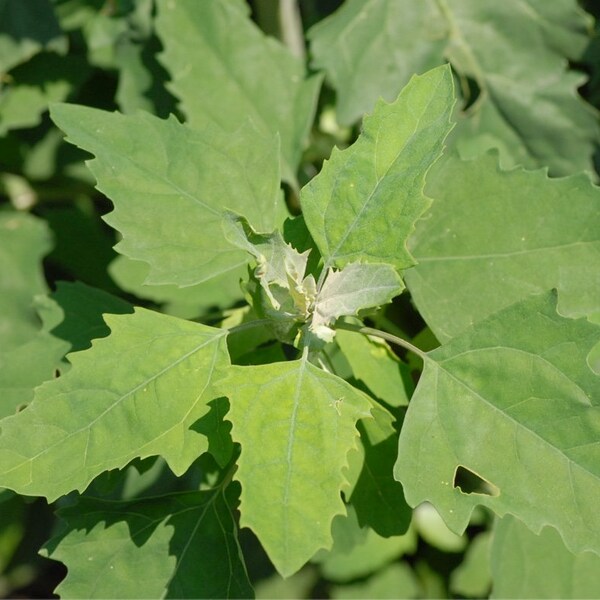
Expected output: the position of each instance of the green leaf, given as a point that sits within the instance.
(377, 367)
(244, 74)
(369, 49)
(493, 237)
(525, 565)
(142, 387)
(25, 30)
(472, 578)
(161, 175)
(394, 582)
(508, 405)
(296, 425)
(355, 287)
(516, 53)
(172, 546)
(363, 204)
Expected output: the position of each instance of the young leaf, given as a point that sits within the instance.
(346, 292)
(296, 424)
(525, 565)
(493, 237)
(363, 204)
(161, 175)
(172, 546)
(508, 405)
(133, 394)
(243, 74)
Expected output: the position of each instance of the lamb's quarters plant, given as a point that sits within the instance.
(411, 363)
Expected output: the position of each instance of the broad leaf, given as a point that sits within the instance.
(525, 565)
(526, 104)
(350, 290)
(493, 237)
(377, 367)
(508, 404)
(133, 394)
(243, 74)
(172, 546)
(363, 204)
(296, 425)
(472, 578)
(170, 184)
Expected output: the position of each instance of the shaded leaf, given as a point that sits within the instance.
(363, 204)
(244, 74)
(509, 404)
(172, 546)
(296, 425)
(170, 184)
(133, 394)
(472, 577)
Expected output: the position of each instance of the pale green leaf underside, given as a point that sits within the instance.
(493, 237)
(296, 424)
(174, 546)
(242, 73)
(133, 394)
(170, 185)
(363, 204)
(526, 565)
(356, 287)
(510, 400)
(516, 51)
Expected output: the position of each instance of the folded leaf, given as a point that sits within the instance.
(296, 424)
(175, 546)
(133, 394)
(508, 406)
(170, 185)
(363, 204)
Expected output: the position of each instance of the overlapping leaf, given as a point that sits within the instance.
(175, 546)
(525, 565)
(515, 51)
(242, 74)
(133, 394)
(493, 237)
(296, 425)
(170, 184)
(363, 204)
(510, 402)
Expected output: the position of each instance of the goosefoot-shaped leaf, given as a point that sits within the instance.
(363, 204)
(493, 237)
(244, 74)
(170, 184)
(296, 424)
(133, 394)
(175, 546)
(509, 402)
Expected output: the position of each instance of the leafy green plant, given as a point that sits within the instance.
(373, 377)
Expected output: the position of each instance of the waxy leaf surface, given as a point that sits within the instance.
(133, 394)
(363, 204)
(493, 237)
(516, 51)
(172, 546)
(510, 401)
(296, 425)
(236, 72)
(170, 184)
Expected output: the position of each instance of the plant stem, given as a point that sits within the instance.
(388, 337)
(248, 325)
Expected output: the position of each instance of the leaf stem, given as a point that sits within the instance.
(248, 325)
(388, 337)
